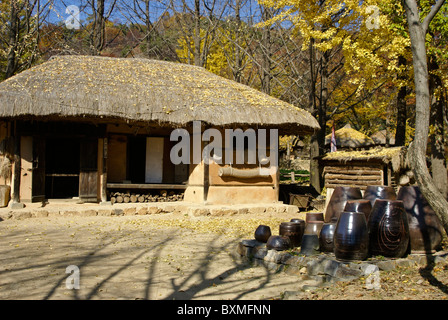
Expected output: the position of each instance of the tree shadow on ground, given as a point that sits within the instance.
(198, 281)
(427, 273)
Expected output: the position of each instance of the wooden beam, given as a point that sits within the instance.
(145, 186)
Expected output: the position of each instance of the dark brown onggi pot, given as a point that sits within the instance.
(262, 233)
(313, 227)
(294, 231)
(362, 205)
(338, 199)
(425, 228)
(388, 229)
(326, 235)
(379, 192)
(351, 237)
(278, 243)
(314, 216)
(310, 245)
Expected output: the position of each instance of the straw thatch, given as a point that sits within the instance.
(348, 137)
(396, 156)
(142, 90)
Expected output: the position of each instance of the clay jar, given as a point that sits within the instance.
(338, 200)
(314, 216)
(310, 245)
(326, 235)
(293, 231)
(388, 229)
(278, 243)
(425, 228)
(379, 192)
(363, 206)
(314, 222)
(351, 237)
(262, 233)
(313, 227)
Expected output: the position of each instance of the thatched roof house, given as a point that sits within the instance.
(88, 126)
(141, 90)
(349, 138)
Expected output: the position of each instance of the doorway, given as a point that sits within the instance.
(62, 168)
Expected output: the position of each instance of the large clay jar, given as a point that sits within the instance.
(338, 200)
(388, 229)
(363, 206)
(351, 237)
(292, 230)
(262, 233)
(425, 228)
(379, 192)
(278, 243)
(326, 235)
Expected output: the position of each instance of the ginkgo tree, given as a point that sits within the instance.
(370, 50)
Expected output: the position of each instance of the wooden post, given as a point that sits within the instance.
(15, 203)
(104, 173)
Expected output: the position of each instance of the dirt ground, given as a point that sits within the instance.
(170, 256)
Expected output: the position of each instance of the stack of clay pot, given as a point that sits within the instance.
(290, 235)
(380, 222)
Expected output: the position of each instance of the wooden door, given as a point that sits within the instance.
(88, 175)
(154, 160)
(38, 177)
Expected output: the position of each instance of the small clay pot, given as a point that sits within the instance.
(262, 233)
(326, 235)
(379, 192)
(425, 228)
(278, 243)
(310, 245)
(363, 206)
(338, 200)
(351, 237)
(388, 229)
(294, 231)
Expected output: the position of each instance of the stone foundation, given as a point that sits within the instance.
(324, 267)
(179, 207)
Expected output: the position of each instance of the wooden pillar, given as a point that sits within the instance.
(15, 203)
(102, 160)
(104, 172)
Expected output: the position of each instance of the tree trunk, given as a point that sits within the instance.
(417, 151)
(266, 54)
(400, 134)
(316, 180)
(11, 64)
(197, 34)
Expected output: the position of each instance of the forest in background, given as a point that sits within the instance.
(345, 62)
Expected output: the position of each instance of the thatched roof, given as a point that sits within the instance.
(396, 156)
(348, 137)
(143, 90)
